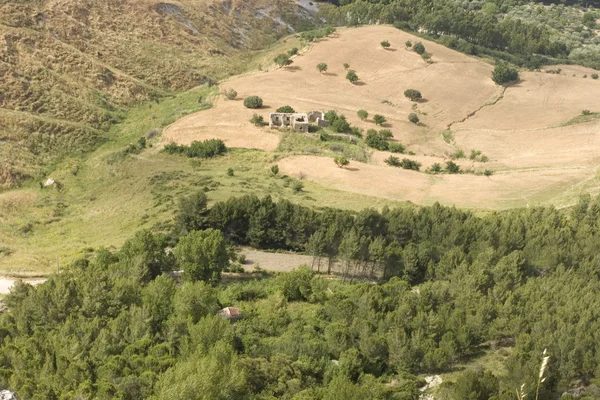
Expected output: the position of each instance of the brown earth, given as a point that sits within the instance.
(534, 158)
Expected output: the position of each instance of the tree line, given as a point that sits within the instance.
(470, 31)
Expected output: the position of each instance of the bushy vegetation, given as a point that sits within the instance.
(464, 26)
(253, 102)
(205, 149)
(413, 94)
(285, 109)
(112, 326)
(322, 67)
(351, 76)
(504, 74)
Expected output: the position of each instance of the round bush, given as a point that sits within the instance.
(253, 102)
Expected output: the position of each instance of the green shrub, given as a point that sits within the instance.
(414, 118)
(285, 109)
(352, 77)
(375, 141)
(253, 102)
(362, 114)
(385, 44)
(392, 161)
(396, 147)
(419, 48)
(594, 76)
(410, 164)
(205, 149)
(452, 167)
(435, 168)
(408, 44)
(504, 74)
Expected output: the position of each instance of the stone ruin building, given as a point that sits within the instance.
(297, 121)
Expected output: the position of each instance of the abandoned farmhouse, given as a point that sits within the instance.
(297, 121)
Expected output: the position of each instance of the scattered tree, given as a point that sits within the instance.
(413, 94)
(322, 67)
(282, 60)
(285, 109)
(504, 74)
(385, 44)
(414, 118)
(352, 77)
(293, 51)
(346, 65)
(341, 161)
(419, 48)
(230, 172)
(253, 102)
(362, 114)
(274, 169)
(594, 76)
(379, 119)
(408, 44)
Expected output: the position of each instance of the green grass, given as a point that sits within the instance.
(107, 196)
(582, 118)
(302, 144)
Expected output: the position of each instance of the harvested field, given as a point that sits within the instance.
(536, 157)
(500, 191)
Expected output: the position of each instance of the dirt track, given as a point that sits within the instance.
(535, 161)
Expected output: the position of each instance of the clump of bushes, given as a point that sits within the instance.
(206, 149)
(405, 163)
(253, 102)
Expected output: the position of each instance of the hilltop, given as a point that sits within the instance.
(70, 70)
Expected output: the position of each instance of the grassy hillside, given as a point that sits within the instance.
(69, 69)
(107, 196)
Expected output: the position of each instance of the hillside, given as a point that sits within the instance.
(538, 153)
(70, 69)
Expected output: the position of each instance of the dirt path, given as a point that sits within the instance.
(7, 283)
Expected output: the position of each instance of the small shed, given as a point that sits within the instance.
(230, 313)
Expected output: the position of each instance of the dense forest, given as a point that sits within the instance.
(470, 27)
(448, 283)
